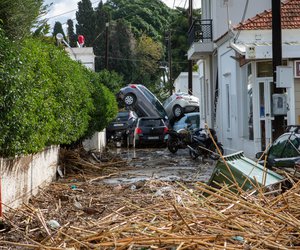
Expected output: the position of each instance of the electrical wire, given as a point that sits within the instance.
(69, 11)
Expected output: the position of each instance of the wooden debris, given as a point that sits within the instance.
(196, 216)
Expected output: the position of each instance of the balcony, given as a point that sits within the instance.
(200, 39)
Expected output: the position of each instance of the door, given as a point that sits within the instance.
(266, 117)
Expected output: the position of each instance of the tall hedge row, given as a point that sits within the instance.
(46, 98)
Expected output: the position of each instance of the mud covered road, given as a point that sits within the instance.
(160, 164)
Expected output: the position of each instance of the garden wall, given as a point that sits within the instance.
(23, 176)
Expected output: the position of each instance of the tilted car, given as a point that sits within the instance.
(180, 103)
(118, 127)
(284, 152)
(140, 99)
(147, 130)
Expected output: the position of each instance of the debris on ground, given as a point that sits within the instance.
(81, 212)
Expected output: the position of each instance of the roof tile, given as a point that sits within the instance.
(290, 18)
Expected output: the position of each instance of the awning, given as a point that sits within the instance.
(263, 50)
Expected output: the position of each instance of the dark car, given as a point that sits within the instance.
(284, 151)
(147, 130)
(140, 99)
(118, 127)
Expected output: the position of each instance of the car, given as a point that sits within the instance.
(284, 152)
(118, 127)
(147, 130)
(180, 103)
(190, 120)
(140, 99)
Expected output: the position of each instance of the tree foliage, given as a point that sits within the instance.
(149, 54)
(72, 37)
(58, 29)
(46, 98)
(145, 17)
(86, 21)
(19, 16)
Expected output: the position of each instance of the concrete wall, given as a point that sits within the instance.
(96, 143)
(21, 177)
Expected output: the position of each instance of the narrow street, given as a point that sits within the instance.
(160, 164)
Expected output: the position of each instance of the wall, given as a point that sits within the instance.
(297, 98)
(181, 83)
(22, 177)
(96, 143)
(233, 13)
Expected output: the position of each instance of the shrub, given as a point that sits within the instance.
(47, 98)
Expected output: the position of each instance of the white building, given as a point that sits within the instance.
(235, 70)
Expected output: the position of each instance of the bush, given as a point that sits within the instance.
(46, 98)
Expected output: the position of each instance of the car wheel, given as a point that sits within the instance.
(129, 99)
(177, 111)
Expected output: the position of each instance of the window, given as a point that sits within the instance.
(250, 101)
(228, 106)
(278, 146)
(292, 147)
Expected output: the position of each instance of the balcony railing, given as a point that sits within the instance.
(200, 31)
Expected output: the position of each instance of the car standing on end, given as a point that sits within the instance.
(180, 103)
(140, 99)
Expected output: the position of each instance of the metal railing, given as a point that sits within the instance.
(200, 31)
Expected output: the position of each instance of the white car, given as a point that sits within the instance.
(180, 103)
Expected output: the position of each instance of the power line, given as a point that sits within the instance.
(69, 11)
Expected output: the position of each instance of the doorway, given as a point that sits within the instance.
(266, 117)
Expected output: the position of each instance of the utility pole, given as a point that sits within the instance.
(190, 62)
(106, 44)
(170, 64)
(277, 59)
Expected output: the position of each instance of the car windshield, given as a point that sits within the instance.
(151, 123)
(154, 101)
(285, 146)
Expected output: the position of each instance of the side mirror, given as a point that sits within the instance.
(259, 155)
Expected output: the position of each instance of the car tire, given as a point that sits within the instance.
(177, 111)
(129, 99)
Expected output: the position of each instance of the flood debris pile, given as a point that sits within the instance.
(84, 214)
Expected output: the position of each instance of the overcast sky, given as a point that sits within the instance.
(62, 10)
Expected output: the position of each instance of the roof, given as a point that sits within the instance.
(290, 18)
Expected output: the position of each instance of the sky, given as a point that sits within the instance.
(62, 10)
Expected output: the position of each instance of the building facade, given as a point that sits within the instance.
(235, 71)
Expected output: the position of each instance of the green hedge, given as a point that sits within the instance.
(47, 98)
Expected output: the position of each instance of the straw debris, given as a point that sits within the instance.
(158, 215)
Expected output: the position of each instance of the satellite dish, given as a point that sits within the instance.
(59, 36)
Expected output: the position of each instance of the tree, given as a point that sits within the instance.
(72, 37)
(101, 17)
(86, 21)
(58, 29)
(179, 40)
(144, 16)
(149, 54)
(121, 49)
(18, 16)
